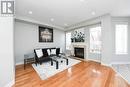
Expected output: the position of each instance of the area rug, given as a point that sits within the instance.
(123, 70)
(46, 70)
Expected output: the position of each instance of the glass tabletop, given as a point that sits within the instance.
(58, 58)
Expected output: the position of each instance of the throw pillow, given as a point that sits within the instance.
(39, 53)
(61, 51)
(48, 51)
(53, 51)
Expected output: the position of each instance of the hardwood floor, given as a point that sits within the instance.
(84, 74)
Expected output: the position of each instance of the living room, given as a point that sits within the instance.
(66, 43)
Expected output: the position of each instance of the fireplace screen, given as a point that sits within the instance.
(79, 52)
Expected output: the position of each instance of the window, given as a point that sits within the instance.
(68, 40)
(121, 38)
(95, 39)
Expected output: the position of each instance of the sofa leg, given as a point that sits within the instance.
(67, 61)
(40, 63)
(36, 64)
(51, 62)
(57, 66)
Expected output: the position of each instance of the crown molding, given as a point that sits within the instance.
(32, 21)
(91, 21)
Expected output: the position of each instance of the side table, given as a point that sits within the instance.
(29, 58)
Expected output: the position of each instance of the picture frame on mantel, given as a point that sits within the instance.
(45, 34)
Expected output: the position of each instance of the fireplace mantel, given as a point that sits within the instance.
(80, 46)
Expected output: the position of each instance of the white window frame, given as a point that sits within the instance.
(98, 51)
(67, 48)
(126, 50)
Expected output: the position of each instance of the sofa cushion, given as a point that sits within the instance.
(57, 51)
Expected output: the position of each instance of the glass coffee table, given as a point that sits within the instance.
(58, 59)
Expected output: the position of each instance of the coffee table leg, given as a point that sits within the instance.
(57, 65)
(67, 61)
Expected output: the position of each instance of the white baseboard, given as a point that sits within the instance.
(10, 84)
(94, 60)
(19, 63)
(106, 64)
(120, 63)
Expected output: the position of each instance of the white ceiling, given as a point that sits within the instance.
(69, 11)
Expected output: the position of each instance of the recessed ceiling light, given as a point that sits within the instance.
(93, 13)
(66, 24)
(82, 0)
(52, 19)
(30, 12)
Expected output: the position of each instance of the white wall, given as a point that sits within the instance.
(106, 40)
(26, 39)
(7, 72)
(120, 58)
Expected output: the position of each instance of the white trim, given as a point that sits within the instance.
(106, 64)
(19, 63)
(10, 84)
(94, 60)
(88, 22)
(25, 19)
(120, 63)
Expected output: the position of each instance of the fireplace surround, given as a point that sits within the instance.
(79, 45)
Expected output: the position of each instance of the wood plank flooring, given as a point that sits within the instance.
(84, 74)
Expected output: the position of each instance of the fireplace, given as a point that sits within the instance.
(79, 52)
